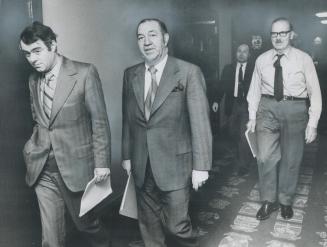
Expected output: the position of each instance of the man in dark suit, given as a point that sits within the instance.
(70, 142)
(235, 82)
(167, 141)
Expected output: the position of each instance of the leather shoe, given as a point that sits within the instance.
(266, 209)
(286, 211)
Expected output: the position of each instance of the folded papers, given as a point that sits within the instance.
(94, 193)
(252, 141)
(128, 206)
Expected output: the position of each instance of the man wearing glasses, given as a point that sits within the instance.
(283, 82)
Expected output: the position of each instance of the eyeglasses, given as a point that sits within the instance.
(282, 34)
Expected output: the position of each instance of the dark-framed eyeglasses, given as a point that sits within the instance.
(282, 34)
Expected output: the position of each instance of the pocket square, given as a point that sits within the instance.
(178, 88)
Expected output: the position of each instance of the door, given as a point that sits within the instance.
(19, 219)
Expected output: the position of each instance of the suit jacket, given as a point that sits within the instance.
(177, 138)
(227, 83)
(78, 130)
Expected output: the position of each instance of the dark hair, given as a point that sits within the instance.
(240, 44)
(283, 19)
(162, 25)
(38, 31)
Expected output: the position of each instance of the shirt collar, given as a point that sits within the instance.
(159, 66)
(239, 64)
(286, 53)
(55, 70)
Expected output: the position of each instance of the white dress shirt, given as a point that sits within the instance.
(147, 80)
(238, 65)
(55, 72)
(299, 79)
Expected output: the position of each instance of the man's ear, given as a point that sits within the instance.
(292, 35)
(166, 38)
(53, 45)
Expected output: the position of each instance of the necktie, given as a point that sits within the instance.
(151, 92)
(48, 94)
(278, 80)
(240, 83)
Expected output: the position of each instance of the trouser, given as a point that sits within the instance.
(280, 132)
(164, 214)
(236, 128)
(54, 198)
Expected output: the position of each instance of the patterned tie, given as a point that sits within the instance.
(48, 94)
(278, 80)
(151, 92)
(240, 83)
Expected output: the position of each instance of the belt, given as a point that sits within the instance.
(285, 97)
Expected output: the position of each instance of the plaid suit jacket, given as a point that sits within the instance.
(177, 137)
(78, 130)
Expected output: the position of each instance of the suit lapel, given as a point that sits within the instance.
(36, 94)
(138, 85)
(167, 83)
(247, 76)
(65, 83)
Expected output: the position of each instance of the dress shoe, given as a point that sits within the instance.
(266, 209)
(286, 211)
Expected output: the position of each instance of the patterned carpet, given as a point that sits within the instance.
(223, 212)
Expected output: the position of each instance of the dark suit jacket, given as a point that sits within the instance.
(227, 84)
(78, 130)
(177, 138)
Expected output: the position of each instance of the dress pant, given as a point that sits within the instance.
(280, 134)
(54, 198)
(164, 214)
(236, 128)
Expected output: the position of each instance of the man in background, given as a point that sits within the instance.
(167, 142)
(70, 143)
(234, 84)
(283, 81)
(256, 46)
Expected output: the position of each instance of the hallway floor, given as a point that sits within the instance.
(223, 211)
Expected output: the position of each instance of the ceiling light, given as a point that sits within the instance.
(321, 14)
(324, 21)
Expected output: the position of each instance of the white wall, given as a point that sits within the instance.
(225, 36)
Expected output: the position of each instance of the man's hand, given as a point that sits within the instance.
(101, 174)
(251, 125)
(215, 106)
(126, 164)
(199, 178)
(310, 134)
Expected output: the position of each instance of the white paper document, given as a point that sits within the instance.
(94, 194)
(128, 206)
(252, 141)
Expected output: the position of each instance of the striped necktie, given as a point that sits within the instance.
(151, 92)
(48, 93)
